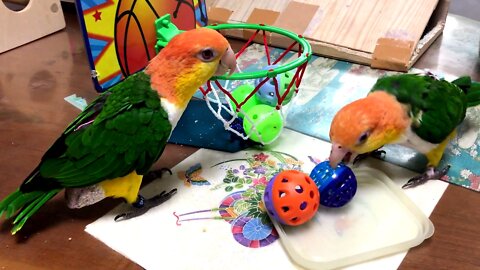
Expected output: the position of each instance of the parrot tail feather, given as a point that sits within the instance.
(6, 202)
(26, 203)
(470, 88)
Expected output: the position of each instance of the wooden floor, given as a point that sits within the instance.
(466, 8)
(36, 77)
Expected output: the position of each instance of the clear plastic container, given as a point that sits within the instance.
(380, 220)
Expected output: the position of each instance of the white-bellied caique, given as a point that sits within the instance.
(108, 148)
(419, 111)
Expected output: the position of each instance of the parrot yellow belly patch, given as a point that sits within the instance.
(123, 187)
(436, 154)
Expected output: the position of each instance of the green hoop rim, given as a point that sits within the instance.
(303, 58)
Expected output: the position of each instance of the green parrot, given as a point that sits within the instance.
(418, 111)
(112, 144)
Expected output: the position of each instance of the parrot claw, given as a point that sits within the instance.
(142, 205)
(152, 175)
(430, 174)
(380, 154)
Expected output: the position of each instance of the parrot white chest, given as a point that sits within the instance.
(412, 140)
(174, 112)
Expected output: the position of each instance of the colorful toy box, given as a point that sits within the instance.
(120, 34)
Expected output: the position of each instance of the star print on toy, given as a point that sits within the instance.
(122, 36)
(97, 15)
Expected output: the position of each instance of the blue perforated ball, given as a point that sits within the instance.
(266, 93)
(337, 186)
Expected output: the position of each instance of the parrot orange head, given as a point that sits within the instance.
(188, 61)
(366, 125)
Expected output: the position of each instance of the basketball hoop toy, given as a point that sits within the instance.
(251, 102)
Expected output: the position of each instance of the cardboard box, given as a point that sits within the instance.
(380, 33)
(23, 21)
(120, 36)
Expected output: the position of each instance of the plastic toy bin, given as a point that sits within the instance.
(380, 220)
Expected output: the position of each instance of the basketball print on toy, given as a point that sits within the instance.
(135, 36)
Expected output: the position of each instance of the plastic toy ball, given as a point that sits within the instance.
(337, 186)
(291, 197)
(237, 125)
(240, 94)
(266, 93)
(263, 123)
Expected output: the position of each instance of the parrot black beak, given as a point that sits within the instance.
(339, 154)
(228, 63)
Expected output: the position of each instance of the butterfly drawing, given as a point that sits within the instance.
(192, 176)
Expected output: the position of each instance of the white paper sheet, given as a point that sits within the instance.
(155, 241)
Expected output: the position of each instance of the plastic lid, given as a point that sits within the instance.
(380, 220)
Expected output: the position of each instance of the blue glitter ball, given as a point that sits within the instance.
(237, 125)
(337, 186)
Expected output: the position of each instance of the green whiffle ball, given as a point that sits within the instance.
(240, 94)
(266, 120)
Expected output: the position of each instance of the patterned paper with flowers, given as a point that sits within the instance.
(244, 184)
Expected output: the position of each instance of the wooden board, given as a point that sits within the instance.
(242, 9)
(358, 24)
(351, 29)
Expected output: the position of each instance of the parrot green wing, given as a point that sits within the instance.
(471, 89)
(436, 106)
(123, 130)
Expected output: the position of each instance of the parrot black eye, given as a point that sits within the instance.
(207, 55)
(363, 137)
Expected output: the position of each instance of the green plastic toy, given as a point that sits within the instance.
(166, 30)
(265, 125)
(240, 94)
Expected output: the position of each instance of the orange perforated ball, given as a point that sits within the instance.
(292, 197)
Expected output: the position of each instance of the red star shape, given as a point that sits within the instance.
(97, 15)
